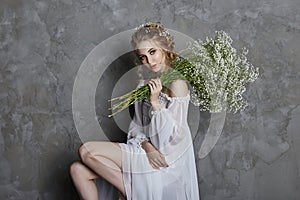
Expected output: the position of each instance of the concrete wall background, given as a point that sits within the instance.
(43, 43)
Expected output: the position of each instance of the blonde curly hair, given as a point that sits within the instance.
(159, 35)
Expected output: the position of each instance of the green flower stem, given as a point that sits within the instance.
(143, 92)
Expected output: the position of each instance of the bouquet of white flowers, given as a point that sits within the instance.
(215, 71)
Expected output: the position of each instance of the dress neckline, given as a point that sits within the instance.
(175, 98)
(163, 94)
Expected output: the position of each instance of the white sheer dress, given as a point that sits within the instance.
(167, 129)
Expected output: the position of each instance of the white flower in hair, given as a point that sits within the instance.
(148, 25)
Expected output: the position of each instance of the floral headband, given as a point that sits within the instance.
(150, 25)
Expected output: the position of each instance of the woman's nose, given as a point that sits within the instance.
(149, 60)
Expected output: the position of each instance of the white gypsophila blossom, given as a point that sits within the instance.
(224, 74)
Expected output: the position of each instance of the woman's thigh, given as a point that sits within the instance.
(109, 150)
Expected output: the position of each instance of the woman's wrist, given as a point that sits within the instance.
(147, 146)
(144, 144)
(156, 105)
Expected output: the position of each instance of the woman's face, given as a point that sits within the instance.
(152, 56)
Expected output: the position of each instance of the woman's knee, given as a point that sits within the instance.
(79, 171)
(76, 169)
(83, 152)
(88, 151)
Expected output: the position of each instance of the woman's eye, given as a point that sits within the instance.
(152, 52)
(142, 57)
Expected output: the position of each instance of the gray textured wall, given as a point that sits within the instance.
(43, 43)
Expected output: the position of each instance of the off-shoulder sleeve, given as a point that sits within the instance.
(169, 124)
(136, 133)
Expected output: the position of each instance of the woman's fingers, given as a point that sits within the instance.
(152, 83)
(155, 84)
(163, 161)
(155, 89)
(151, 86)
(155, 165)
(157, 160)
(160, 162)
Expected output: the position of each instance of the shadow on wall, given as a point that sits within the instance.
(51, 179)
(57, 184)
(106, 85)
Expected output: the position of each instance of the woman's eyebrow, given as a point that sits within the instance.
(150, 50)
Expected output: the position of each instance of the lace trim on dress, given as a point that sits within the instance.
(155, 112)
(171, 99)
(178, 99)
(184, 98)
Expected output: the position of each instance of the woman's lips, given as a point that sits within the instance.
(153, 66)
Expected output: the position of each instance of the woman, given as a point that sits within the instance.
(157, 162)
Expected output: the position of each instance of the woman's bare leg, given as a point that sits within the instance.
(83, 181)
(105, 159)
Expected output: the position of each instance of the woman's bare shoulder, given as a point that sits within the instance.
(178, 88)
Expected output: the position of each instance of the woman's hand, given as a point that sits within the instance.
(155, 88)
(156, 159)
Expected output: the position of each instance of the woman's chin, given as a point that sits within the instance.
(157, 71)
(154, 70)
